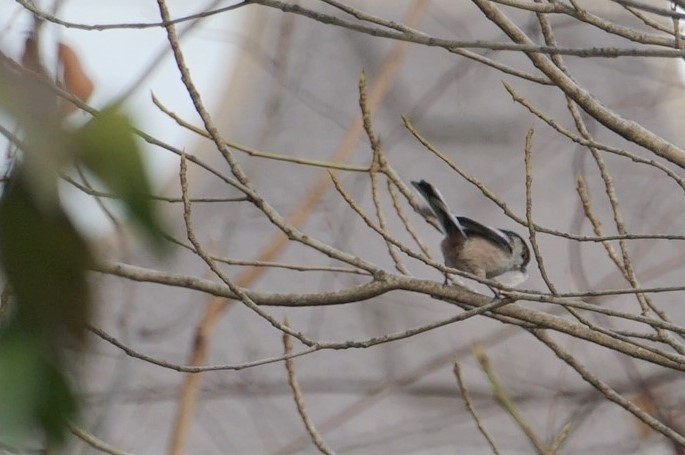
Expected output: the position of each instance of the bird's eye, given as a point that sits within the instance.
(525, 253)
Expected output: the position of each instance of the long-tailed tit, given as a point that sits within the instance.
(473, 247)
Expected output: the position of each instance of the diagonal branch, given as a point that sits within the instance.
(628, 129)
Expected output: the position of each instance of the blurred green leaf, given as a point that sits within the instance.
(33, 392)
(107, 146)
(45, 260)
(58, 404)
(19, 381)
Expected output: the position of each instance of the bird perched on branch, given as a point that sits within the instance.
(473, 247)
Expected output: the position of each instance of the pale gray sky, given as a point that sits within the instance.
(116, 59)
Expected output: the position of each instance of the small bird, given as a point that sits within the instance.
(473, 247)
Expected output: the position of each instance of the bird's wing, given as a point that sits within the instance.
(474, 228)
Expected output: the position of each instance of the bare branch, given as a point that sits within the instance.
(30, 6)
(507, 403)
(607, 391)
(95, 442)
(463, 389)
(317, 439)
(630, 130)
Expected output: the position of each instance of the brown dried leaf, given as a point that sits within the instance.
(76, 81)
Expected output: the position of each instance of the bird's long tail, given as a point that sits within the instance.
(449, 222)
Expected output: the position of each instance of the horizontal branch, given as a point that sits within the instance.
(353, 294)
(455, 294)
(194, 368)
(427, 40)
(33, 9)
(675, 14)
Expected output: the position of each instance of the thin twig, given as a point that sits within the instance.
(193, 368)
(591, 143)
(607, 391)
(651, 8)
(463, 389)
(93, 441)
(587, 17)
(490, 195)
(630, 130)
(258, 153)
(237, 290)
(507, 403)
(529, 212)
(676, 28)
(648, 21)
(269, 264)
(317, 439)
(30, 6)
(104, 194)
(377, 164)
(403, 217)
